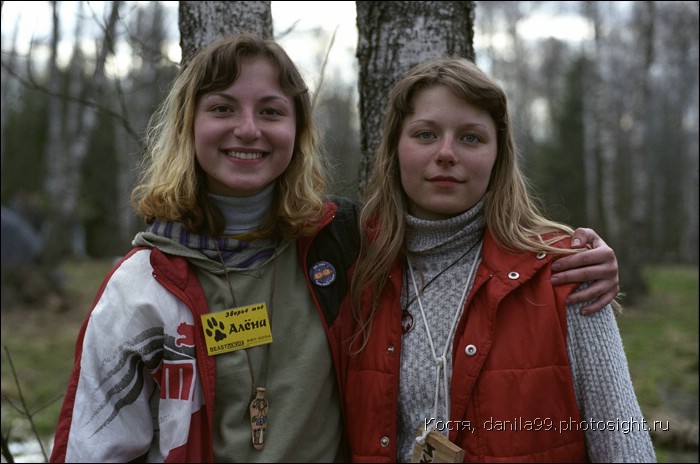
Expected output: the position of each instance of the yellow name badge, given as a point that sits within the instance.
(236, 328)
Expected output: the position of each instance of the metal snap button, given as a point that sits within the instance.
(470, 350)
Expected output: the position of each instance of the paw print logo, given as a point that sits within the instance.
(216, 329)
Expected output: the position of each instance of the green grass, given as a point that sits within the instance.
(39, 340)
(660, 334)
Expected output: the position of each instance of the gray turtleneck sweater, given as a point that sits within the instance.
(445, 251)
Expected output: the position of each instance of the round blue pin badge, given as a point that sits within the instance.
(322, 273)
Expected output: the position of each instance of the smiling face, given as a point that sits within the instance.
(244, 135)
(447, 148)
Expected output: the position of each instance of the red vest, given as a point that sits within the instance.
(512, 395)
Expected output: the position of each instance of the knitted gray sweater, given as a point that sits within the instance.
(615, 427)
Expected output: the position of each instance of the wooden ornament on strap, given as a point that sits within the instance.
(435, 447)
(258, 418)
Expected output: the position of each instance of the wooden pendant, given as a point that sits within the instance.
(436, 447)
(406, 322)
(258, 418)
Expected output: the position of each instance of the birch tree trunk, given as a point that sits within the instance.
(688, 247)
(202, 22)
(71, 125)
(7, 87)
(676, 51)
(394, 36)
(516, 70)
(638, 224)
(54, 141)
(623, 218)
(149, 29)
(590, 150)
(602, 116)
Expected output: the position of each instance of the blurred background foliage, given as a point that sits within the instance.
(606, 111)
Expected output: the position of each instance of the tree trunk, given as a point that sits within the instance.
(150, 39)
(70, 129)
(202, 22)
(606, 136)
(394, 36)
(7, 86)
(636, 252)
(54, 151)
(609, 114)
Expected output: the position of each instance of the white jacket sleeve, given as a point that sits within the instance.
(121, 410)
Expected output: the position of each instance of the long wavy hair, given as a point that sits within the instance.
(511, 214)
(173, 187)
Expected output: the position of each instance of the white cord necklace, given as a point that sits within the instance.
(441, 361)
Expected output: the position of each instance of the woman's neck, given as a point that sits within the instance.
(245, 214)
(425, 237)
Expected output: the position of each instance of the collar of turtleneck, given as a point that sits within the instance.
(244, 214)
(428, 237)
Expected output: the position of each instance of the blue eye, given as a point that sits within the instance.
(271, 112)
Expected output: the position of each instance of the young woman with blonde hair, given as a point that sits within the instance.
(463, 347)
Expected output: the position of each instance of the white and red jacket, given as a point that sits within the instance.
(156, 367)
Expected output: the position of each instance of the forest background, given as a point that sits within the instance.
(607, 125)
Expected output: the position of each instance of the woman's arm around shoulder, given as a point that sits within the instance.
(597, 263)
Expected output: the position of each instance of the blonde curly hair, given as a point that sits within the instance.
(172, 186)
